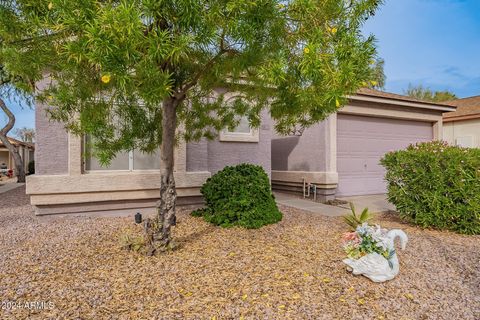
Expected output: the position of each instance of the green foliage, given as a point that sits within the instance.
(114, 64)
(31, 167)
(378, 76)
(239, 196)
(436, 185)
(426, 94)
(128, 241)
(354, 221)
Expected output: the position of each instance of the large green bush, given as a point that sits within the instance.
(436, 185)
(239, 196)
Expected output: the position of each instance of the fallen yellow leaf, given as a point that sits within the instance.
(409, 296)
(361, 301)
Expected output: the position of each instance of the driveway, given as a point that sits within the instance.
(375, 203)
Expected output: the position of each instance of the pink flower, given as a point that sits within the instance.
(350, 236)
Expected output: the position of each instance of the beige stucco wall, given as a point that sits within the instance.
(457, 129)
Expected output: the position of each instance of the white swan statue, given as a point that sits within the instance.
(374, 266)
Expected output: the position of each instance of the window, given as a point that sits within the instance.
(242, 133)
(124, 161)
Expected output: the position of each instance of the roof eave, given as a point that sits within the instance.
(461, 117)
(366, 98)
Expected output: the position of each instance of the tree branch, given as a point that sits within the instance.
(181, 94)
(11, 118)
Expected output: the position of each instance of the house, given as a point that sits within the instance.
(462, 127)
(339, 155)
(26, 150)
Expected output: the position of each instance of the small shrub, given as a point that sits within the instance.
(239, 196)
(31, 167)
(436, 185)
(354, 221)
(132, 242)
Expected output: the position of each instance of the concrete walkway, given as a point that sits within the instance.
(309, 205)
(7, 186)
(375, 203)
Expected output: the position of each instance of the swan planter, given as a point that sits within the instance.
(371, 252)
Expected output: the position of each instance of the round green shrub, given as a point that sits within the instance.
(436, 185)
(239, 196)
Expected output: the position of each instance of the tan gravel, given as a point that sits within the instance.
(290, 270)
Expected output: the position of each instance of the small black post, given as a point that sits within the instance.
(138, 218)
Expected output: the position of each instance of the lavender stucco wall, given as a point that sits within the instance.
(51, 143)
(214, 155)
(300, 153)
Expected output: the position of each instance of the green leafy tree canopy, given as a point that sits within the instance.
(143, 73)
(426, 94)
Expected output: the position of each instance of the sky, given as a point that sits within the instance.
(434, 43)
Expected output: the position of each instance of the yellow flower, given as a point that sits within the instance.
(373, 83)
(364, 84)
(244, 297)
(337, 103)
(306, 50)
(106, 78)
(50, 98)
(332, 30)
(50, 6)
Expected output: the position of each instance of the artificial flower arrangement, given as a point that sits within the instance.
(367, 239)
(371, 249)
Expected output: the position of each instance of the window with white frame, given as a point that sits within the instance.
(133, 160)
(243, 132)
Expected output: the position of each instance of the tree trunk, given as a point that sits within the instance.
(17, 159)
(158, 230)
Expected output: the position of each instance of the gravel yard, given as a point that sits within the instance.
(289, 270)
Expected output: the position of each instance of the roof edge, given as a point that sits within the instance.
(405, 103)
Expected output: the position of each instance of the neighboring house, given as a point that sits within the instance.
(352, 141)
(26, 150)
(462, 127)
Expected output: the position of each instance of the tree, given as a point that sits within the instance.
(7, 88)
(143, 74)
(25, 134)
(378, 77)
(426, 94)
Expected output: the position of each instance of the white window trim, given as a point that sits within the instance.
(228, 136)
(231, 136)
(107, 171)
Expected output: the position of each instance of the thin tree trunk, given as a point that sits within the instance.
(19, 167)
(158, 230)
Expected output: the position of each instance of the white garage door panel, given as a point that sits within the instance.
(362, 142)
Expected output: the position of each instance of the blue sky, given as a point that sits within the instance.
(435, 43)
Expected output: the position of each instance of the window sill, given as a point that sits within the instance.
(252, 137)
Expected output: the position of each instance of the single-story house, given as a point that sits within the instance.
(462, 127)
(26, 150)
(339, 155)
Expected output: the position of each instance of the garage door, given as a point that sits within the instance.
(361, 143)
